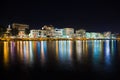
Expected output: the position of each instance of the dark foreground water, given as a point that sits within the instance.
(91, 59)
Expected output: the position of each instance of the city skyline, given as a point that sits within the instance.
(90, 15)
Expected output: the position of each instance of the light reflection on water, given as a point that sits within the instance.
(100, 54)
(79, 51)
(6, 53)
(65, 53)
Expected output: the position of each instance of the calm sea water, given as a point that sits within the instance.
(93, 59)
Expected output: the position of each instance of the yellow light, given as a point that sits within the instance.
(79, 50)
(57, 50)
(21, 50)
(6, 55)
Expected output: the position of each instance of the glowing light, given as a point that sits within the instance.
(57, 50)
(65, 53)
(31, 52)
(96, 51)
(6, 55)
(96, 54)
(79, 50)
(69, 47)
(107, 47)
(38, 49)
(113, 47)
(18, 47)
(21, 50)
(43, 52)
(107, 52)
(27, 52)
(12, 48)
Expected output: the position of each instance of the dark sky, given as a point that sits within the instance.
(90, 15)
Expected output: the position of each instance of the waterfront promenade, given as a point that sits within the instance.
(51, 39)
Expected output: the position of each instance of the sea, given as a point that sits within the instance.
(60, 60)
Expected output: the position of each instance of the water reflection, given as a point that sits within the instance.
(56, 46)
(65, 53)
(113, 47)
(12, 50)
(6, 54)
(43, 52)
(26, 52)
(79, 50)
(107, 55)
(31, 53)
(98, 53)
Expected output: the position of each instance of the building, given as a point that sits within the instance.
(94, 35)
(107, 34)
(68, 32)
(49, 29)
(21, 29)
(58, 33)
(81, 33)
(34, 33)
(37, 33)
(113, 36)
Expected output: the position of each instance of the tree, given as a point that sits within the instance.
(27, 31)
(14, 31)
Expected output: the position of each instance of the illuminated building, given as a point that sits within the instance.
(81, 33)
(94, 35)
(42, 33)
(37, 33)
(58, 32)
(34, 33)
(107, 34)
(113, 36)
(49, 30)
(68, 32)
(21, 29)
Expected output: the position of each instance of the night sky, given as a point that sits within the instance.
(89, 15)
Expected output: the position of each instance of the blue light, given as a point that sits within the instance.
(31, 52)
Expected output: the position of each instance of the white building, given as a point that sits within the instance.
(37, 33)
(34, 33)
(81, 33)
(58, 32)
(94, 35)
(49, 30)
(68, 32)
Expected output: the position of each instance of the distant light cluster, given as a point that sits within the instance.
(48, 31)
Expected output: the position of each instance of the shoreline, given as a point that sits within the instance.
(50, 39)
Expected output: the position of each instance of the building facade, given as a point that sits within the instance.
(68, 32)
(21, 29)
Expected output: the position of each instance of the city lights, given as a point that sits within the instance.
(48, 32)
